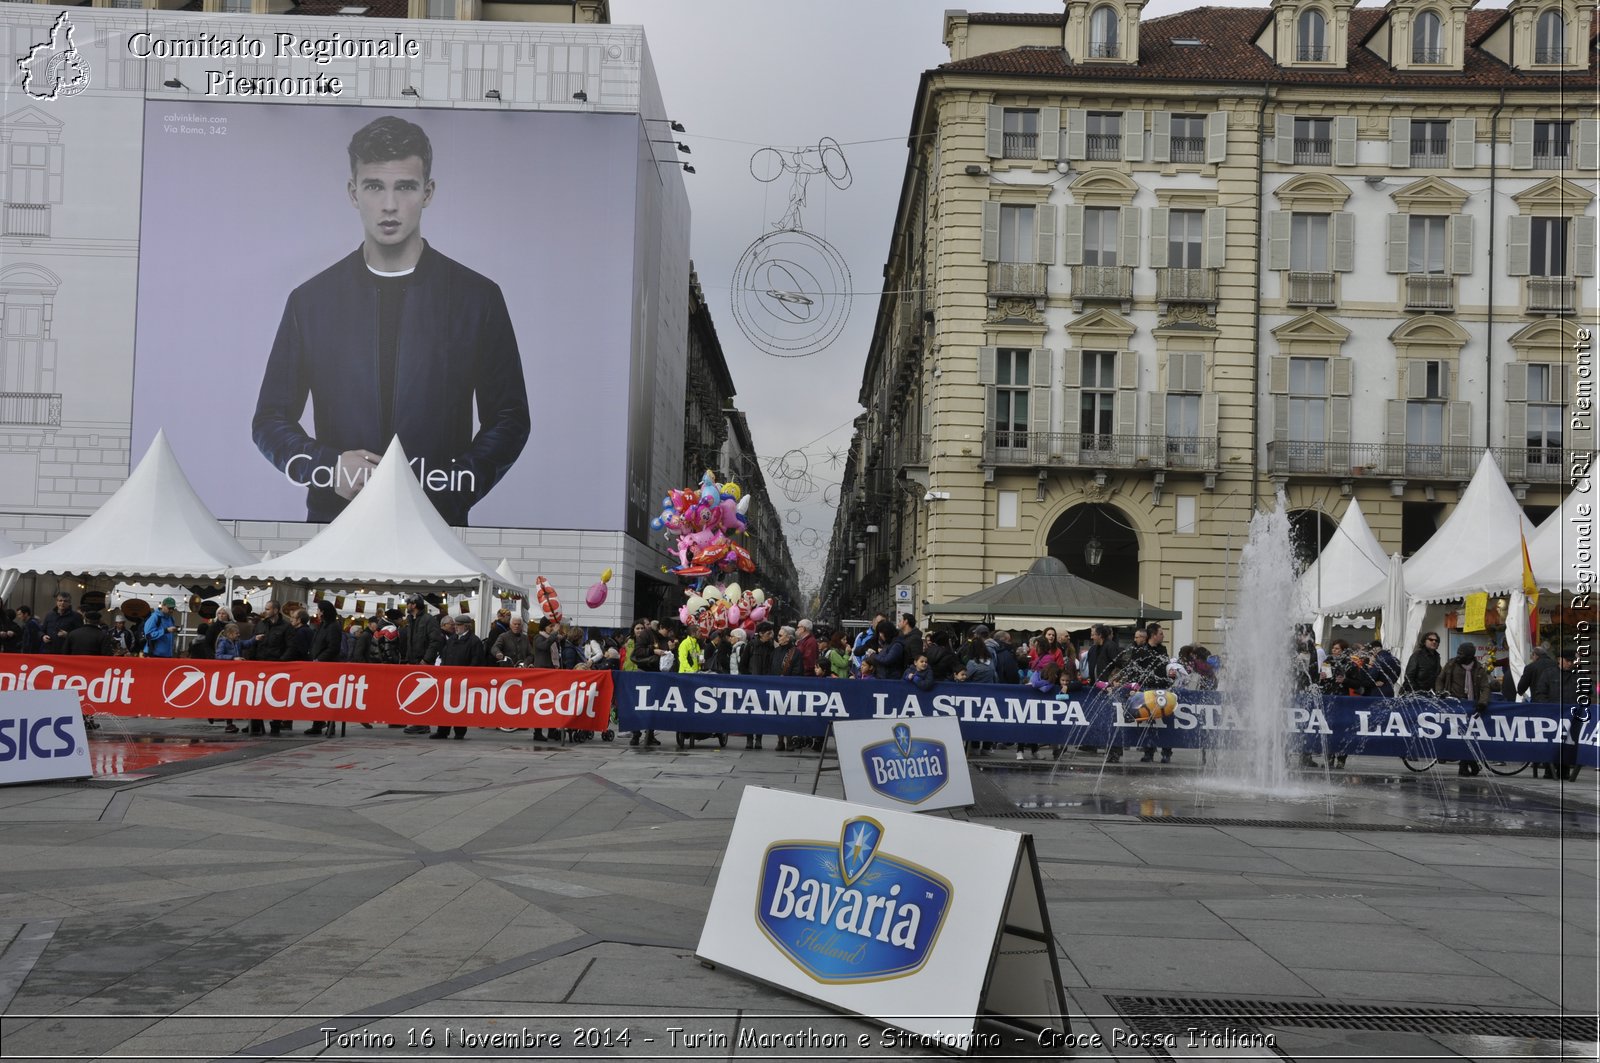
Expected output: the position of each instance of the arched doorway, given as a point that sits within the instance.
(1098, 543)
(1310, 532)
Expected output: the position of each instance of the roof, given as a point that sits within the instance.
(1016, 18)
(153, 527)
(374, 8)
(1047, 591)
(1228, 53)
(1353, 563)
(1555, 550)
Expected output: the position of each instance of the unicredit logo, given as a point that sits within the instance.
(183, 687)
(418, 693)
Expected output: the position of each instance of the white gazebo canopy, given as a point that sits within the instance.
(1553, 549)
(154, 528)
(389, 534)
(1352, 564)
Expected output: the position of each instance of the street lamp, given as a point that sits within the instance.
(1094, 552)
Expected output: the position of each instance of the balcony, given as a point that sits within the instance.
(1313, 151)
(1017, 278)
(27, 220)
(1312, 53)
(1550, 56)
(1103, 147)
(1430, 291)
(911, 450)
(1552, 295)
(1429, 154)
(1401, 461)
(1188, 149)
(1427, 55)
(1020, 145)
(30, 409)
(1186, 285)
(1103, 49)
(1072, 450)
(1102, 282)
(1551, 156)
(1311, 289)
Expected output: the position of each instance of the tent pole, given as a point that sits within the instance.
(485, 617)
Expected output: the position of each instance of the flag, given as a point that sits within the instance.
(1530, 589)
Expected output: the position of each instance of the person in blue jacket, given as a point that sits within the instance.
(393, 339)
(160, 630)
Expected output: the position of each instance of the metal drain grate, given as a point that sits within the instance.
(1177, 1015)
(1399, 828)
(981, 813)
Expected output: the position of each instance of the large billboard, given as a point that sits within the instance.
(314, 280)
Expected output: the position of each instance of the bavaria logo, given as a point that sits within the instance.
(848, 912)
(418, 692)
(183, 687)
(906, 768)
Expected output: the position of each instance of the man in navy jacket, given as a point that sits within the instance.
(393, 339)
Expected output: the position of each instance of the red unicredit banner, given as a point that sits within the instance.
(294, 690)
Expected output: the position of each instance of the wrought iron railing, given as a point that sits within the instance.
(30, 409)
(1388, 461)
(1093, 450)
(912, 450)
(1549, 55)
(27, 219)
(1021, 145)
(1313, 53)
(1427, 55)
(1188, 149)
(1315, 151)
(1551, 155)
(1430, 291)
(1311, 289)
(1103, 49)
(1552, 294)
(1429, 153)
(1016, 278)
(1102, 282)
(1103, 147)
(1176, 285)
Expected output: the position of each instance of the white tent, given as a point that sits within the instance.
(389, 534)
(8, 576)
(155, 528)
(1552, 549)
(1352, 564)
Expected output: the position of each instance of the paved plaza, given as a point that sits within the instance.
(383, 896)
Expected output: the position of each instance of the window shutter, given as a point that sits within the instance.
(1583, 246)
(1587, 150)
(1217, 137)
(1516, 452)
(1214, 253)
(1458, 436)
(1126, 402)
(1416, 378)
(1399, 242)
(1133, 136)
(1339, 425)
(1208, 415)
(1280, 417)
(1459, 229)
(1464, 143)
(1399, 142)
(1278, 239)
(1045, 234)
(1444, 380)
(1127, 370)
(1283, 140)
(1077, 128)
(1343, 224)
(1041, 372)
(1073, 235)
(1071, 381)
(1160, 136)
(1158, 427)
(1278, 375)
(994, 138)
(1577, 438)
(1194, 371)
(991, 231)
(986, 356)
(1341, 376)
(1344, 140)
(1050, 133)
(1522, 143)
(1519, 237)
(54, 159)
(1516, 382)
(1128, 222)
(1395, 429)
(1158, 237)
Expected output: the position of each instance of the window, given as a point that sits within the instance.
(1313, 141)
(127, 4)
(1009, 505)
(1188, 138)
(1183, 425)
(1104, 136)
(1550, 38)
(1425, 244)
(1011, 398)
(1425, 418)
(1097, 400)
(1425, 39)
(1021, 134)
(234, 7)
(1103, 33)
(1016, 233)
(1548, 247)
(1100, 237)
(1186, 513)
(1544, 415)
(440, 9)
(28, 171)
(1312, 37)
(1308, 400)
(1186, 233)
(1430, 143)
(1552, 144)
(1308, 243)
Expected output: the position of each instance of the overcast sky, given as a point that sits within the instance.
(741, 74)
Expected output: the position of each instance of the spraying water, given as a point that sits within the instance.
(1258, 681)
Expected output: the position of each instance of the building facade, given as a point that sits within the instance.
(1146, 274)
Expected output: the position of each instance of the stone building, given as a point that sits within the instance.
(1145, 274)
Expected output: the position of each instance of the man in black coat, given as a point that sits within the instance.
(462, 649)
(1541, 679)
(424, 640)
(269, 643)
(58, 623)
(90, 638)
(326, 643)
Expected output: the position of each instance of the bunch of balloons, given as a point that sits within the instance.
(701, 521)
(713, 607)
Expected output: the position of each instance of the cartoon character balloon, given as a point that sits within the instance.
(596, 596)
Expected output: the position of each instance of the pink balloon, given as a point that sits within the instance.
(729, 511)
(596, 596)
(759, 613)
(683, 614)
(735, 615)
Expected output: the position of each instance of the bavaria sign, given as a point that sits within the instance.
(911, 765)
(922, 923)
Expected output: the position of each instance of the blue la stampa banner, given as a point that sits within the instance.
(1399, 727)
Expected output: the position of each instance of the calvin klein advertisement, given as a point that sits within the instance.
(316, 280)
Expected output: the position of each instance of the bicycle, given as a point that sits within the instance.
(1421, 763)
